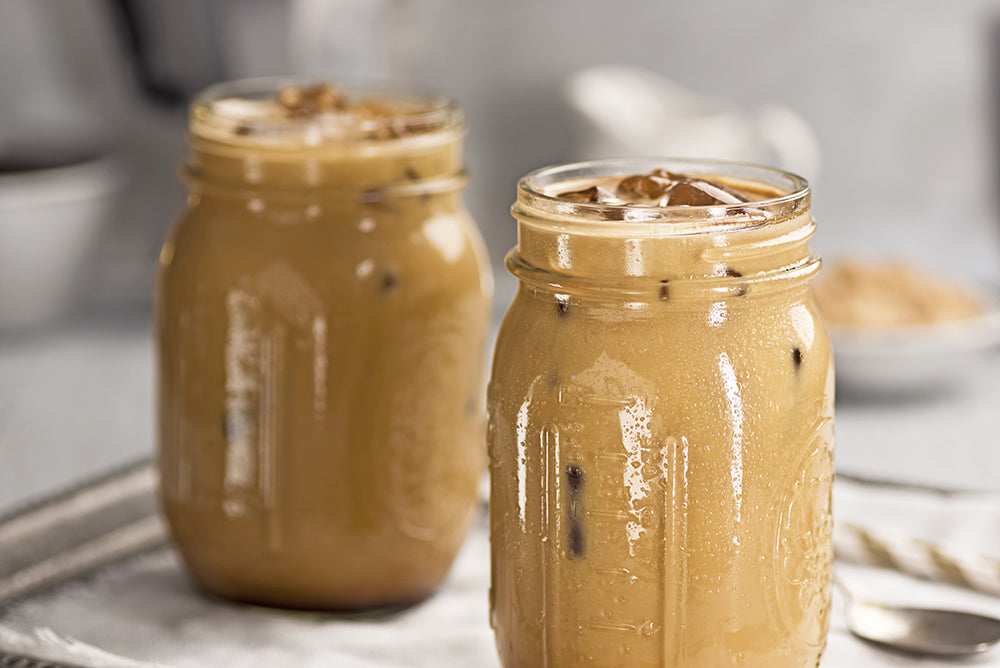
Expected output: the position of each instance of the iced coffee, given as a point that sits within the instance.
(660, 422)
(322, 305)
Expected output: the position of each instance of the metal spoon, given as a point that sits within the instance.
(920, 630)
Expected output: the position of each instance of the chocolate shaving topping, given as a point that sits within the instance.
(385, 122)
(305, 101)
(377, 118)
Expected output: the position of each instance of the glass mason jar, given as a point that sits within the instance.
(660, 429)
(322, 305)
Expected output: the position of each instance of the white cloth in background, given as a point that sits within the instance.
(144, 613)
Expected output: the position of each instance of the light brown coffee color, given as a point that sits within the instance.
(321, 311)
(661, 432)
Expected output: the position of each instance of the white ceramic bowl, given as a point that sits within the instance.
(49, 221)
(915, 359)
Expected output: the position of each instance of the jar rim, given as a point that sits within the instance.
(615, 219)
(423, 113)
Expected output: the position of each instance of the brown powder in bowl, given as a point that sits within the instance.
(858, 294)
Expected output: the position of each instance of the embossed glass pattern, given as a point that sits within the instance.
(660, 430)
(322, 306)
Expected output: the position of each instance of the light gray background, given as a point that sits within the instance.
(902, 94)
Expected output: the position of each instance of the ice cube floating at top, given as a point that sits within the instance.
(660, 188)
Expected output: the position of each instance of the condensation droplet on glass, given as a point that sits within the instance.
(167, 253)
(365, 268)
(366, 225)
(522, 461)
(233, 508)
(252, 170)
(311, 168)
(563, 260)
(718, 315)
(634, 421)
(635, 263)
(313, 135)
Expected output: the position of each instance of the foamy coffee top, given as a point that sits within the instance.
(257, 112)
(661, 188)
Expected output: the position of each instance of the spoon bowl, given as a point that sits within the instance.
(925, 631)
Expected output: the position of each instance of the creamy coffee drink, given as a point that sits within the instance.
(322, 306)
(660, 422)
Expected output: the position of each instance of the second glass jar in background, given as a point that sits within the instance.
(660, 428)
(322, 307)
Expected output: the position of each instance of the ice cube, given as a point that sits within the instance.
(591, 195)
(649, 186)
(699, 192)
(666, 174)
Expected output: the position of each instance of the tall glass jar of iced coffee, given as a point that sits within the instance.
(660, 422)
(322, 305)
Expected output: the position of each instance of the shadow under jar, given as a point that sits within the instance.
(661, 422)
(322, 305)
